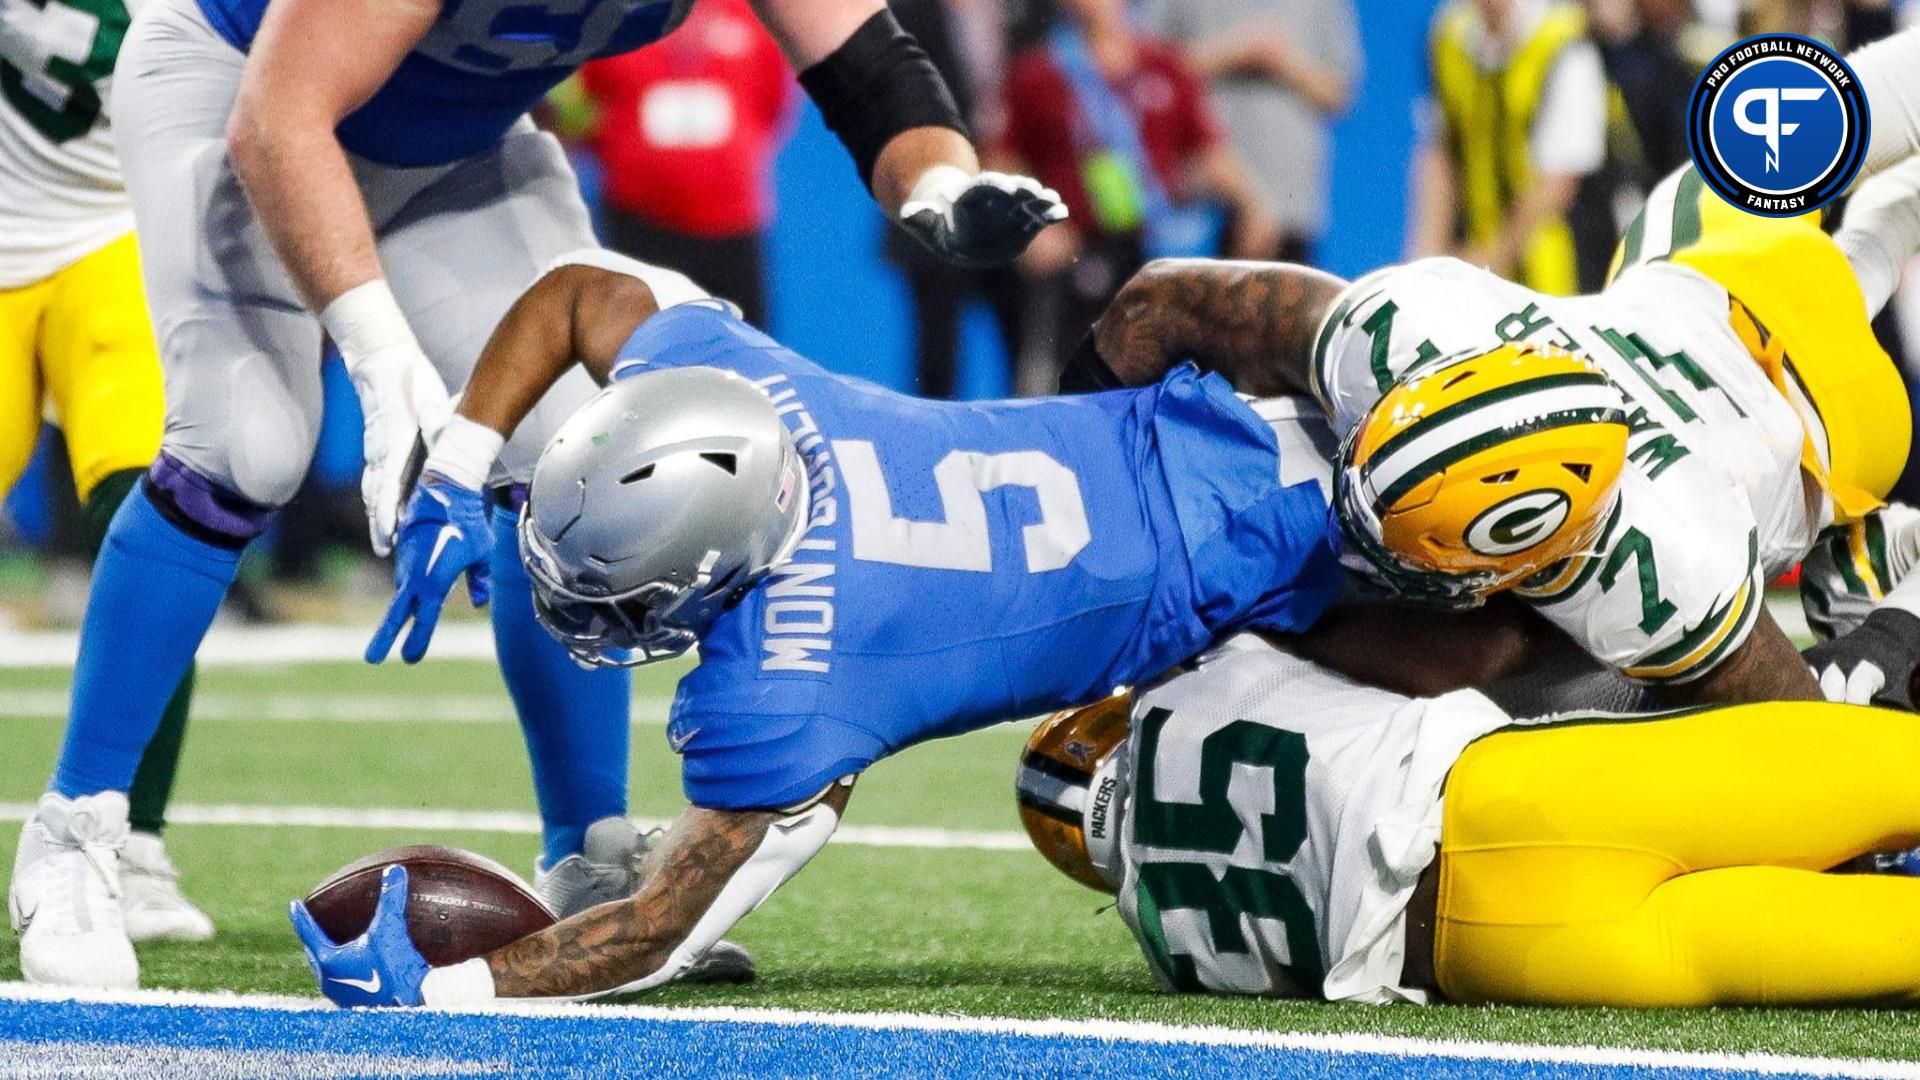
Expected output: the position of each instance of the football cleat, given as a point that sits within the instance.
(1070, 789)
(610, 866)
(150, 898)
(1476, 471)
(65, 897)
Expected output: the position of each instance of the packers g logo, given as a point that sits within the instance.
(1519, 523)
(1778, 125)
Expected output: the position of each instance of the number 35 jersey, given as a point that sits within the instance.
(969, 563)
(61, 197)
(1277, 818)
(1712, 501)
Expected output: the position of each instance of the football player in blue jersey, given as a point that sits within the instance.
(862, 571)
(372, 164)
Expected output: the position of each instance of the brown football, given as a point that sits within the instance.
(459, 905)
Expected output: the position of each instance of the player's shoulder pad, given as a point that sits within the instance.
(696, 332)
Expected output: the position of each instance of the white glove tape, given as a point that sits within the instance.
(937, 189)
(465, 451)
(469, 982)
(366, 321)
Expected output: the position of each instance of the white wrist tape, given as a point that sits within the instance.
(465, 451)
(467, 983)
(939, 186)
(365, 321)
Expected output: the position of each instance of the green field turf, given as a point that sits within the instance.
(863, 928)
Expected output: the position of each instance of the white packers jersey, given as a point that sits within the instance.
(60, 192)
(1713, 500)
(1277, 819)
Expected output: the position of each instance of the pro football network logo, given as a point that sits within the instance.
(1778, 125)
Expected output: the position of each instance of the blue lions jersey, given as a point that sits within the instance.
(482, 65)
(972, 562)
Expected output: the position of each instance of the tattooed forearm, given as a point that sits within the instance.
(617, 943)
(1252, 322)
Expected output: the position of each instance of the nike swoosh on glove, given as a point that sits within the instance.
(982, 220)
(381, 967)
(404, 404)
(444, 534)
(1873, 664)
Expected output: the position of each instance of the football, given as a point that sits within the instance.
(459, 905)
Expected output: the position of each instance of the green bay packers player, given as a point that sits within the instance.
(1273, 828)
(1634, 463)
(75, 344)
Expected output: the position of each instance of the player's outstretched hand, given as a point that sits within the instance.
(444, 534)
(381, 966)
(979, 221)
(404, 405)
(1872, 664)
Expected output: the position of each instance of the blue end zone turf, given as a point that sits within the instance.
(67, 1038)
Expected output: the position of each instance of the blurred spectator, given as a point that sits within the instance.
(687, 131)
(1124, 130)
(1518, 120)
(966, 40)
(1649, 50)
(1281, 71)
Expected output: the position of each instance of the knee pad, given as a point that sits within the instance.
(201, 508)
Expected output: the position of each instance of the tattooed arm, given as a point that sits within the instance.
(713, 867)
(1251, 321)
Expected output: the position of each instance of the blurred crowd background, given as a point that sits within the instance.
(1519, 134)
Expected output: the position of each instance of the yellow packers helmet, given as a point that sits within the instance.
(1070, 790)
(1475, 471)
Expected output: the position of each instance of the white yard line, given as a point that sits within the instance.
(1117, 1031)
(511, 821)
(342, 708)
(292, 643)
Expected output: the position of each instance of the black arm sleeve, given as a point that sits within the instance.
(876, 85)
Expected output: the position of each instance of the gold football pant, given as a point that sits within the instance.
(1677, 860)
(80, 341)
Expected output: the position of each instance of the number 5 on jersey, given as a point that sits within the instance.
(960, 541)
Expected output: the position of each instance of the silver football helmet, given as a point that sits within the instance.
(655, 505)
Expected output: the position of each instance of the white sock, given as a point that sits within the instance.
(1889, 71)
(1882, 231)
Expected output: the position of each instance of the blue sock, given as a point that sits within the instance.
(575, 721)
(155, 591)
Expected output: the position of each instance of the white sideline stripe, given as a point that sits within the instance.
(331, 708)
(516, 822)
(1114, 1031)
(226, 645)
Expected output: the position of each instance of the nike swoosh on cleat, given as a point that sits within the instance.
(448, 533)
(371, 986)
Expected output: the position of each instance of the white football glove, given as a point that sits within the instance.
(403, 400)
(979, 220)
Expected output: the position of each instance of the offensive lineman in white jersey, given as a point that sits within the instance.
(1636, 463)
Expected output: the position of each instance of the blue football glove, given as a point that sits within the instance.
(444, 534)
(980, 221)
(381, 966)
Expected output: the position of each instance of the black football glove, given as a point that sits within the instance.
(1873, 664)
(979, 221)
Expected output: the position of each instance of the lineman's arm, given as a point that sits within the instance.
(1253, 322)
(893, 112)
(713, 867)
(313, 63)
(1765, 667)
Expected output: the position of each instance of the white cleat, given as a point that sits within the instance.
(65, 898)
(150, 898)
(610, 866)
